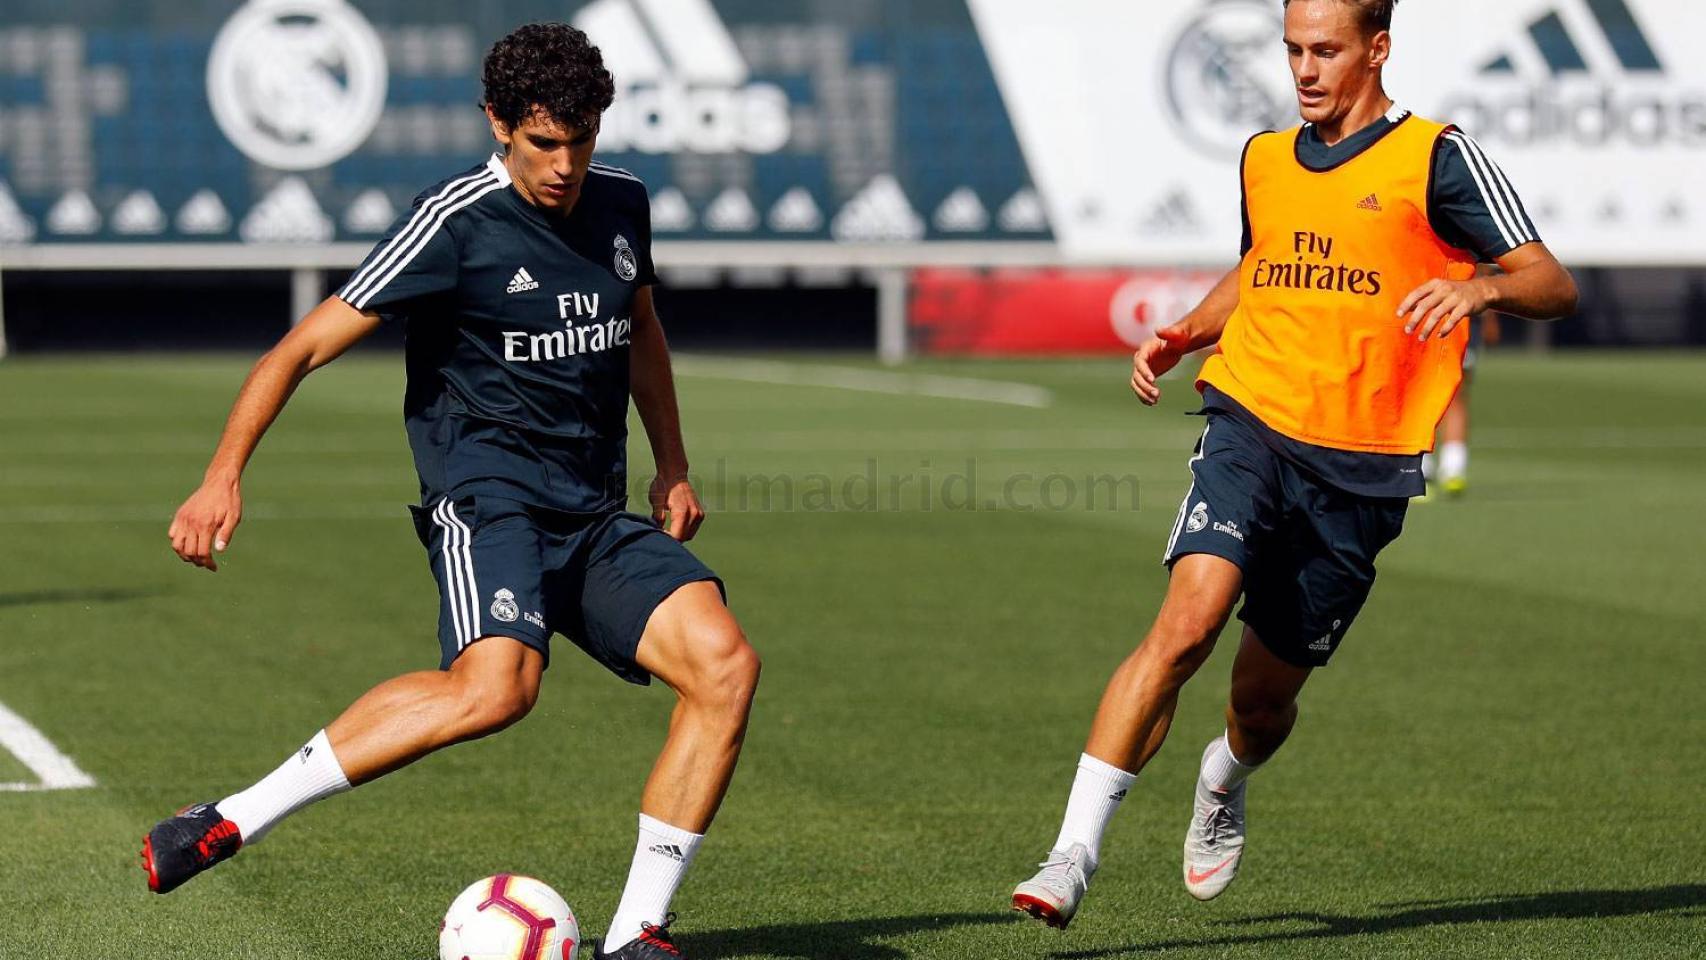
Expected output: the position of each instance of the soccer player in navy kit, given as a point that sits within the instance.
(525, 288)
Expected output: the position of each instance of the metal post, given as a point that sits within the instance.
(306, 291)
(891, 316)
(2, 309)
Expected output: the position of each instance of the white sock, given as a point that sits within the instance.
(661, 859)
(1097, 790)
(1221, 771)
(1453, 461)
(310, 774)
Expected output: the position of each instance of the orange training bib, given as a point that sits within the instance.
(1316, 348)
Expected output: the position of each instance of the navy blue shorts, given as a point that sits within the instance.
(1306, 548)
(509, 569)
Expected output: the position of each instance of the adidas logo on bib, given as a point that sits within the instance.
(522, 281)
(1370, 202)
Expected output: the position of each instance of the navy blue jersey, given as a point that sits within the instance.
(1472, 206)
(517, 326)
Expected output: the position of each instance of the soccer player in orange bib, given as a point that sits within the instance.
(1340, 341)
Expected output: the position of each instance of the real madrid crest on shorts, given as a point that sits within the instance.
(626, 266)
(1198, 520)
(503, 606)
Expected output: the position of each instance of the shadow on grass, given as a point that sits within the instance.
(838, 939)
(31, 598)
(1501, 908)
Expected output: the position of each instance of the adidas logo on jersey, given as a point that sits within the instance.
(1370, 202)
(521, 281)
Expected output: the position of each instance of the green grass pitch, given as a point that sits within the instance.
(1505, 760)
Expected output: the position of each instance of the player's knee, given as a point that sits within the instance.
(1184, 637)
(727, 670)
(489, 704)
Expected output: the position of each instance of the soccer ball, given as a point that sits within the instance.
(508, 917)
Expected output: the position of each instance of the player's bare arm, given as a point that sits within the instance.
(203, 526)
(674, 504)
(1195, 330)
(1532, 284)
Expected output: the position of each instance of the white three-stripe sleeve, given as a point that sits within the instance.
(418, 255)
(1480, 206)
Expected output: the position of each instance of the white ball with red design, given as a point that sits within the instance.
(509, 917)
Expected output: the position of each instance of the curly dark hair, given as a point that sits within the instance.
(1375, 15)
(549, 68)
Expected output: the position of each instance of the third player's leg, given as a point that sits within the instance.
(693, 644)
(1138, 704)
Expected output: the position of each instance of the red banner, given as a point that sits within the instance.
(1028, 312)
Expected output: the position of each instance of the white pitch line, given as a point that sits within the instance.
(55, 770)
(867, 381)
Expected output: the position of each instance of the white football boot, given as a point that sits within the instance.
(1052, 895)
(1214, 844)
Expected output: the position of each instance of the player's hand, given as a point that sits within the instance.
(1440, 305)
(675, 507)
(204, 524)
(1155, 357)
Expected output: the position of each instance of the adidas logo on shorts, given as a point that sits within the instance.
(522, 281)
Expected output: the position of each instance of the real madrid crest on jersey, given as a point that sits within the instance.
(503, 606)
(626, 266)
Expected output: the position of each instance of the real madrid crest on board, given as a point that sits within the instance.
(503, 606)
(296, 84)
(1223, 80)
(626, 266)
